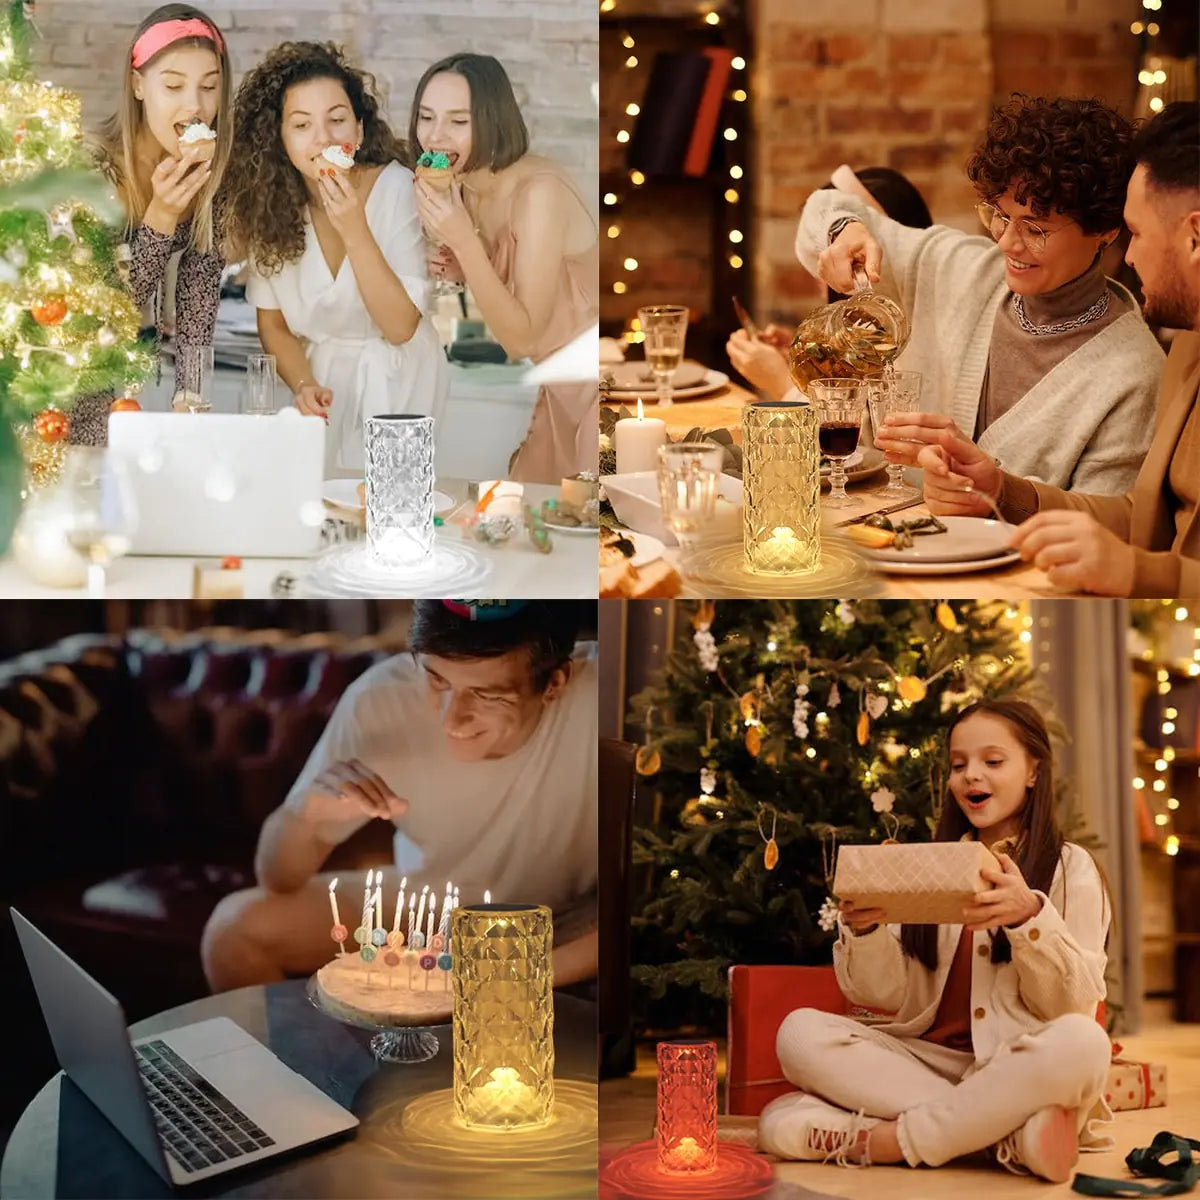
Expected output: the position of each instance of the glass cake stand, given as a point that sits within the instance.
(415, 1043)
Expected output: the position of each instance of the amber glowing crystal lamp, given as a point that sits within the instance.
(503, 1016)
(687, 1107)
(781, 475)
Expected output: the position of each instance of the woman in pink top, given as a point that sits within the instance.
(516, 229)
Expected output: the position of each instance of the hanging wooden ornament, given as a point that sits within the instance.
(945, 617)
(864, 728)
(771, 853)
(704, 615)
(647, 760)
(748, 706)
(911, 689)
(753, 740)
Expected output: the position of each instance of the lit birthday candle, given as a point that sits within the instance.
(378, 906)
(399, 905)
(421, 908)
(429, 927)
(339, 932)
(412, 912)
(487, 897)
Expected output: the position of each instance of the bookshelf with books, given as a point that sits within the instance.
(675, 165)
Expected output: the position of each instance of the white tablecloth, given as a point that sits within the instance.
(518, 569)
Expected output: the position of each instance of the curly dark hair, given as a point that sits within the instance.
(1070, 156)
(266, 195)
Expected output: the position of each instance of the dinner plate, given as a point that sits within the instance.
(646, 549)
(343, 493)
(709, 381)
(636, 377)
(967, 539)
(959, 567)
(578, 530)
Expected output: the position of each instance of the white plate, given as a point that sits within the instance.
(967, 539)
(646, 549)
(711, 382)
(962, 567)
(578, 530)
(343, 493)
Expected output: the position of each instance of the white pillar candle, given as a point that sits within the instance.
(378, 907)
(333, 908)
(429, 926)
(636, 441)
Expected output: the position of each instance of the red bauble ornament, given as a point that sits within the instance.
(125, 404)
(51, 425)
(51, 311)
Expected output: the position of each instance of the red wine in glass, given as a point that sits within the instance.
(838, 439)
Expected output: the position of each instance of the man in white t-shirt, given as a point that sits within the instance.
(479, 746)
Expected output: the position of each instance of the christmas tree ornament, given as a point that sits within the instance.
(911, 689)
(800, 711)
(43, 460)
(706, 648)
(845, 612)
(51, 425)
(876, 705)
(105, 337)
(126, 404)
(835, 697)
(708, 709)
(946, 618)
(771, 852)
(647, 760)
(748, 707)
(827, 918)
(704, 615)
(863, 733)
(50, 311)
(753, 741)
(60, 223)
(708, 779)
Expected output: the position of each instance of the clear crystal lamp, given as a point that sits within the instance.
(687, 1107)
(399, 454)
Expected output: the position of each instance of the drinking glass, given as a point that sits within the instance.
(193, 378)
(665, 330)
(688, 477)
(258, 396)
(897, 393)
(841, 404)
(101, 513)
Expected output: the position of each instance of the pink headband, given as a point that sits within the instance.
(159, 37)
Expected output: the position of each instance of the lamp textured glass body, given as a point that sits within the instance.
(687, 1107)
(399, 453)
(503, 1015)
(781, 477)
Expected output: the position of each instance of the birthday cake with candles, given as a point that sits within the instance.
(391, 977)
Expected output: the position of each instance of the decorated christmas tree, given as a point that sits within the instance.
(68, 326)
(776, 732)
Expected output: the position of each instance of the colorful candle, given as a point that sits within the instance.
(333, 908)
(412, 912)
(421, 909)
(429, 927)
(399, 905)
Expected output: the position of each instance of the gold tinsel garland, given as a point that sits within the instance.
(43, 460)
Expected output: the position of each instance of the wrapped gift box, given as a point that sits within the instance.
(1132, 1084)
(921, 883)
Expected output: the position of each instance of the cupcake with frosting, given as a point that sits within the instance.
(341, 158)
(200, 139)
(434, 168)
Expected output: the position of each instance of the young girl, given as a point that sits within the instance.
(517, 230)
(176, 76)
(337, 252)
(994, 1040)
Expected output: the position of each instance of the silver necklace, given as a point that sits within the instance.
(1094, 313)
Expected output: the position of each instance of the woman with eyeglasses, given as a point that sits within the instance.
(1023, 342)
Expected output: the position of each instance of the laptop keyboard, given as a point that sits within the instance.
(199, 1126)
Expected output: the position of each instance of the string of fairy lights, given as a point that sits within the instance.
(612, 199)
(1153, 75)
(1155, 783)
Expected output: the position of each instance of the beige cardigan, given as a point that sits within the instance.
(1167, 559)
(1057, 967)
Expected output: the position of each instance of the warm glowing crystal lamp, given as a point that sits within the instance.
(503, 1015)
(781, 476)
(399, 453)
(687, 1107)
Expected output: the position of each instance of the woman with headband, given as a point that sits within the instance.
(165, 150)
(514, 227)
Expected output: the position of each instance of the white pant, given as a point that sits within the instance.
(945, 1104)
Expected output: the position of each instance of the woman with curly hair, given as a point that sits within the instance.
(176, 76)
(517, 230)
(1022, 340)
(337, 254)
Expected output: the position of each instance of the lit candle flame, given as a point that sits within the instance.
(641, 411)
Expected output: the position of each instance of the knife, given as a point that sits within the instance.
(880, 512)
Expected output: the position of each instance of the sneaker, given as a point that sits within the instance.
(1046, 1145)
(803, 1128)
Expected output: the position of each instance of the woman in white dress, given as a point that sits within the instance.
(338, 259)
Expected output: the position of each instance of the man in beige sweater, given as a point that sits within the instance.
(1146, 542)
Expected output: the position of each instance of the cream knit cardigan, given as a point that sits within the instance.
(1057, 967)
(1085, 426)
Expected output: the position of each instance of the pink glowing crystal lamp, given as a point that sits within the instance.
(687, 1107)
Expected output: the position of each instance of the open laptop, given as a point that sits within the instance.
(194, 1102)
(218, 484)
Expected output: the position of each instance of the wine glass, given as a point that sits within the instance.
(193, 378)
(841, 404)
(258, 395)
(897, 392)
(101, 512)
(664, 327)
(689, 474)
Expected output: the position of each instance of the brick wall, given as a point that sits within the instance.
(549, 48)
(906, 84)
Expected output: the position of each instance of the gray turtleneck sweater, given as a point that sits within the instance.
(1024, 358)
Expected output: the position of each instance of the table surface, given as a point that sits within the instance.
(518, 569)
(91, 1159)
(721, 409)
